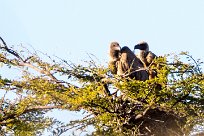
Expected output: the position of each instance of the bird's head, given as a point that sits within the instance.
(142, 46)
(115, 46)
(114, 52)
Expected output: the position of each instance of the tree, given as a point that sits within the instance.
(170, 104)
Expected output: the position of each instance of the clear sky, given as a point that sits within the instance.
(72, 28)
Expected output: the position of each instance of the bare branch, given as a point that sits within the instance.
(39, 70)
(3, 41)
(107, 92)
(142, 114)
(197, 66)
(37, 108)
(24, 62)
(2, 99)
(10, 50)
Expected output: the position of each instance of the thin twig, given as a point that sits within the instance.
(2, 99)
(197, 66)
(10, 50)
(24, 62)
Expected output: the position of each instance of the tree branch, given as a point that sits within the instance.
(24, 62)
(10, 50)
(39, 70)
(31, 109)
(36, 108)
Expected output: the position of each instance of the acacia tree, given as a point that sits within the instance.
(170, 104)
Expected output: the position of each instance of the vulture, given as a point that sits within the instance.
(114, 56)
(123, 62)
(146, 57)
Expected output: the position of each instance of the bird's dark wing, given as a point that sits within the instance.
(130, 65)
(128, 61)
(127, 64)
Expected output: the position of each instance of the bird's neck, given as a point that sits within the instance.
(142, 52)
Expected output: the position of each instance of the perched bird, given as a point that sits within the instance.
(146, 57)
(114, 56)
(129, 65)
(128, 62)
(114, 52)
(123, 62)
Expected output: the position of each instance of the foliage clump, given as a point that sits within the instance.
(170, 104)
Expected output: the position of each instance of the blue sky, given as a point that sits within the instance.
(72, 28)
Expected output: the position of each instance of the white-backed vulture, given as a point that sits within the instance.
(146, 57)
(114, 56)
(129, 65)
(126, 63)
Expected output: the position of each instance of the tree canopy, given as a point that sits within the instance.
(170, 104)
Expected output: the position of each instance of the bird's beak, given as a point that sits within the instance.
(117, 48)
